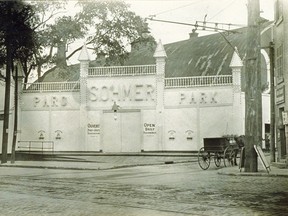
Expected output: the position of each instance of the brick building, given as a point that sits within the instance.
(281, 75)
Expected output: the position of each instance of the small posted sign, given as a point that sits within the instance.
(93, 129)
(149, 128)
(262, 158)
(285, 117)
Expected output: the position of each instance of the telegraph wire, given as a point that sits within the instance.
(204, 28)
(196, 25)
(222, 9)
(154, 15)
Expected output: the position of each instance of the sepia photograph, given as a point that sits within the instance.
(143, 107)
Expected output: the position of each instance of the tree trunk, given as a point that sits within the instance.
(15, 117)
(61, 54)
(6, 104)
(39, 70)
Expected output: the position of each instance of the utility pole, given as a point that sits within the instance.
(272, 102)
(253, 93)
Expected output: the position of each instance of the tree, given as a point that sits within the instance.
(110, 24)
(16, 42)
(43, 13)
(114, 27)
(65, 30)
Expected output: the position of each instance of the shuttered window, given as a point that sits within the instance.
(279, 64)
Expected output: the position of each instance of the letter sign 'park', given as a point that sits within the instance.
(198, 98)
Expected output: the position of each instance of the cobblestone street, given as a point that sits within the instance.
(177, 189)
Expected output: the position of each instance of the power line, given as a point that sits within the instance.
(204, 27)
(196, 25)
(222, 9)
(166, 11)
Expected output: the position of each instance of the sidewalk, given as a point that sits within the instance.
(235, 171)
(114, 161)
(105, 161)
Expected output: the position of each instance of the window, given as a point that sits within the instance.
(279, 64)
(1, 117)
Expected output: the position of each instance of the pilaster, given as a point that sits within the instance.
(84, 66)
(160, 56)
(236, 66)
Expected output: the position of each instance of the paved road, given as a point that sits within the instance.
(162, 190)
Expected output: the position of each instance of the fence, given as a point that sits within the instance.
(178, 82)
(52, 87)
(196, 81)
(137, 70)
(36, 146)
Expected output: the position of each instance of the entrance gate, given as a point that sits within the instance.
(121, 131)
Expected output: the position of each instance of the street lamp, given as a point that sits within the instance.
(145, 32)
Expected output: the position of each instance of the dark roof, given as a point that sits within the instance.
(203, 56)
(200, 56)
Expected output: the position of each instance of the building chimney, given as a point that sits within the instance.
(101, 59)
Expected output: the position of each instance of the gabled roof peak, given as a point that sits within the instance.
(160, 51)
(84, 55)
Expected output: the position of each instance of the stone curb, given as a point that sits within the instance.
(261, 174)
(87, 168)
(220, 172)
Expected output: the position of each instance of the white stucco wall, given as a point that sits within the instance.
(51, 114)
(188, 115)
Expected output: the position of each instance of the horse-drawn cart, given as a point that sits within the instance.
(220, 148)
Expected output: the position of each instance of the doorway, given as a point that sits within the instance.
(281, 136)
(121, 131)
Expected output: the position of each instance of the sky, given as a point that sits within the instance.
(190, 11)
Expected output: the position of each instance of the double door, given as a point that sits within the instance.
(121, 131)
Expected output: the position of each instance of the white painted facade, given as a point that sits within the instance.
(154, 113)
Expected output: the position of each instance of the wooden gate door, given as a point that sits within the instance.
(121, 131)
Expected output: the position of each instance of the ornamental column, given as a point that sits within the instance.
(238, 112)
(160, 56)
(84, 65)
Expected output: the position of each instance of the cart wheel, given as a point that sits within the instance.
(217, 159)
(203, 159)
(227, 156)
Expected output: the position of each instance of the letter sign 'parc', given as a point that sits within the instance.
(52, 101)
